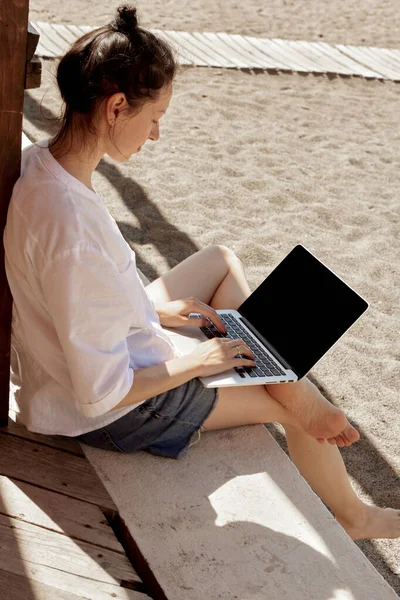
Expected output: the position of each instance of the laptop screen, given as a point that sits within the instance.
(302, 309)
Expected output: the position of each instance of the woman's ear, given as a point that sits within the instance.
(115, 104)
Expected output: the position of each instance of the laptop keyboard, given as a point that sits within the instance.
(266, 366)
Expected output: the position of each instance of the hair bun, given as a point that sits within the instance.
(126, 20)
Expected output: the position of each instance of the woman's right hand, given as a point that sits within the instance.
(221, 354)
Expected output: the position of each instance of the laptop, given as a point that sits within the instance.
(290, 321)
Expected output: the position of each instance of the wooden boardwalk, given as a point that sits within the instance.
(246, 52)
(56, 524)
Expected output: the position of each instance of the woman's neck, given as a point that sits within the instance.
(77, 161)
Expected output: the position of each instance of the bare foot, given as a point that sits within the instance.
(344, 439)
(373, 522)
(318, 417)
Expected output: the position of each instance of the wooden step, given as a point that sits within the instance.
(52, 469)
(55, 441)
(56, 512)
(72, 566)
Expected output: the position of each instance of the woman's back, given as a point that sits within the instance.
(82, 320)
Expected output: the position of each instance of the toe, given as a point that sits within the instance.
(351, 434)
(345, 440)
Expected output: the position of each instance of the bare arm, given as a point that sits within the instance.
(210, 357)
(152, 381)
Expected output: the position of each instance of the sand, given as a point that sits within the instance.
(260, 163)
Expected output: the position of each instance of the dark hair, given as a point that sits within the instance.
(119, 57)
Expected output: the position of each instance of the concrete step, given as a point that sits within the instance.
(234, 519)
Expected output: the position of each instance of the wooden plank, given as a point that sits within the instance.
(363, 56)
(218, 59)
(86, 28)
(385, 64)
(255, 56)
(20, 587)
(185, 56)
(113, 567)
(230, 52)
(356, 58)
(54, 559)
(381, 63)
(330, 63)
(276, 57)
(54, 441)
(394, 53)
(277, 52)
(355, 67)
(32, 42)
(51, 469)
(357, 54)
(390, 56)
(56, 512)
(323, 62)
(74, 29)
(194, 46)
(386, 61)
(64, 34)
(191, 47)
(302, 63)
(33, 73)
(45, 48)
(52, 40)
(13, 44)
(311, 54)
(221, 54)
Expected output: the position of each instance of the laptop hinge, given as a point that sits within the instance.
(270, 347)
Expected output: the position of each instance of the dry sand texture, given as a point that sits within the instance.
(260, 163)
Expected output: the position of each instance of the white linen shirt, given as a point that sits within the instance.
(82, 321)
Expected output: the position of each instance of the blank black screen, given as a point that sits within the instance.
(302, 309)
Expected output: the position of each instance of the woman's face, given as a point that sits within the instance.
(129, 133)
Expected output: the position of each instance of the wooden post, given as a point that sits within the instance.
(13, 47)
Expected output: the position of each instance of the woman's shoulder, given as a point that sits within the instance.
(38, 187)
(41, 206)
(49, 215)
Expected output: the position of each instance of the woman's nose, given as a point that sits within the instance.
(155, 133)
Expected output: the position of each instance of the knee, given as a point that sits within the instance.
(227, 255)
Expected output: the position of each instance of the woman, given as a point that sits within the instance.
(93, 359)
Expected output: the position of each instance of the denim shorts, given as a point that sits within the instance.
(163, 425)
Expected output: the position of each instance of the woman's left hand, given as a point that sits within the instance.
(176, 314)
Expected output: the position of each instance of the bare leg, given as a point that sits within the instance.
(315, 413)
(321, 465)
(214, 273)
(216, 277)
